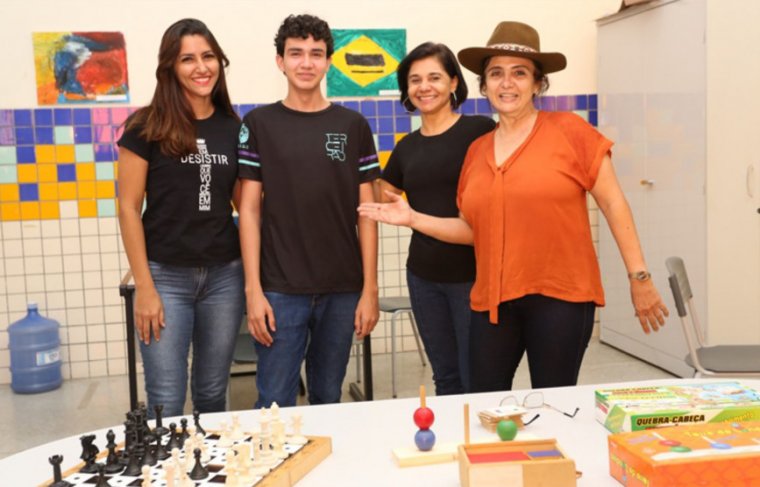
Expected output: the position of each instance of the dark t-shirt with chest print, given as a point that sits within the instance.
(188, 215)
(310, 165)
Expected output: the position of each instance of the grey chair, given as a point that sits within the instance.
(715, 361)
(397, 306)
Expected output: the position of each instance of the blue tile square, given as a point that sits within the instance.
(43, 116)
(82, 116)
(385, 108)
(592, 118)
(468, 107)
(7, 136)
(592, 102)
(581, 102)
(104, 153)
(28, 192)
(548, 103)
(351, 105)
(368, 108)
(372, 121)
(22, 118)
(24, 135)
(43, 135)
(67, 172)
(483, 106)
(25, 154)
(6, 117)
(385, 142)
(398, 109)
(564, 103)
(403, 124)
(62, 116)
(83, 135)
(385, 125)
(244, 109)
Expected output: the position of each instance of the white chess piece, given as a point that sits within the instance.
(237, 433)
(297, 438)
(169, 469)
(146, 476)
(257, 466)
(224, 436)
(205, 455)
(275, 411)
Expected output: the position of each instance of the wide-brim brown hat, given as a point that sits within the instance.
(512, 39)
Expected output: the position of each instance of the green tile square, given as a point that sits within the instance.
(106, 207)
(84, 153)
(582, 113)
(495, 117)
(8, 155)
(104, 171)
(416, 122)
(64, 134)
(8, 174)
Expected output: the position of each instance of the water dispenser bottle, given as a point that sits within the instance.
(35, 353)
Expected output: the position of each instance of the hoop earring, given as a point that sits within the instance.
(454, 100)
(403, 105)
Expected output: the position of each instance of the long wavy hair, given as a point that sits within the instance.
(169, 118)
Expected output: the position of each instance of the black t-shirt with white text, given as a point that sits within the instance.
(188, 215)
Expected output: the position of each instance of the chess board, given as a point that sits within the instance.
(285, 473)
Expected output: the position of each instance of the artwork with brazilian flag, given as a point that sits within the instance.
(364, 62)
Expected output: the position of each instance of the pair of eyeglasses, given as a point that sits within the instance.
(534, 400)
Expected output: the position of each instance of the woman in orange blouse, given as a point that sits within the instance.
(522, 201)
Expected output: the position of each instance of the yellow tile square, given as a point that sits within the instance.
(45, 153)
(64, 153)
(49, 210)
(48, 191)
(27, 173)
(67, 191)
(105, 189)
(383, 157)
(116, 171)
(88, 209)
(30, 210)
(10, 211)
(398, 137)
(86, 171)
(47, 173)
(9, 192)
(86, 190)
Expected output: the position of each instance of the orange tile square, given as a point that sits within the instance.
(383, 157)
(47, 173)
(67, 191)
(106, 189)
(45, 153)
(398, 137)
(27, 173)
(86, 171)
(49, 210)
(86, 190)
(10, 211)
(30, 210)
(9, 192)
(48, 191)
(64, 153)
(88, 209)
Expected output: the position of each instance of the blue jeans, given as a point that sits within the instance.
(315, 327)
(442, 313)
(554, 333)
(203, 306)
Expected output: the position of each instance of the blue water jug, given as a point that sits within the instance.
(35, 353)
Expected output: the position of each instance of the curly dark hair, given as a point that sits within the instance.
(302, 26)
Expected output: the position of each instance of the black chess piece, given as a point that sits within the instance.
(134, 467)
(58, 481)
(160, 429)
(89, 454)
(161, 452)
(102, 480)
(199, 472)
(149, 458)
(173, 438)
(197, 422)
(113, 465)
(185, 434)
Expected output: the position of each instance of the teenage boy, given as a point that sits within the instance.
(310, 261)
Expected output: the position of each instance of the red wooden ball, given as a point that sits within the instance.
(423, 418)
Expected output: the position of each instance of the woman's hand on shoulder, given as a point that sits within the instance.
(650, 310)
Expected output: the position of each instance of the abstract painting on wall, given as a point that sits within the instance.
(364, 62)
(80, 67)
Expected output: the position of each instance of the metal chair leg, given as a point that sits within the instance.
(393, 352)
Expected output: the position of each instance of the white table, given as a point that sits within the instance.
(364, 433)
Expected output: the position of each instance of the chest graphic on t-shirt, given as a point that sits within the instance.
(336, 146)
(205, 160)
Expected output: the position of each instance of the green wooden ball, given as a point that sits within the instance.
(506, 429)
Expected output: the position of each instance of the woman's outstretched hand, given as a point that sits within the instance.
(396, 212)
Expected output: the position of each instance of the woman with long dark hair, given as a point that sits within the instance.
(179, 154)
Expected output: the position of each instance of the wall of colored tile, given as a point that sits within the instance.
(60, 239)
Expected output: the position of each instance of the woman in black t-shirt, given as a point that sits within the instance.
(179, 154)
(426, 164)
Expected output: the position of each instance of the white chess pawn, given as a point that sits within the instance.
(275, 411)
(205, 455)
(257, 466)
(237, 433)
(297, 438)
(169, 468)
(224, 436)
(146, 476)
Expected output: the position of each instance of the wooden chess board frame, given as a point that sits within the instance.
(286, 474)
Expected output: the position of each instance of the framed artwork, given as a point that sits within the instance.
(80, 67)
(364, 62)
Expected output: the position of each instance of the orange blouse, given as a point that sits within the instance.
(529, 216)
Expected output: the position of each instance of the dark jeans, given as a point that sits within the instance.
(442, 312)
(553, 332)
